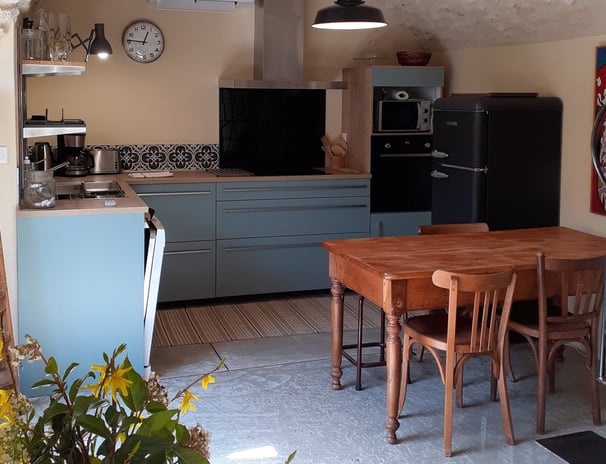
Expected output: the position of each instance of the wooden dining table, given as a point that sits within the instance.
(395, 274)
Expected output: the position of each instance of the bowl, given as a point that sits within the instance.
(413, 58)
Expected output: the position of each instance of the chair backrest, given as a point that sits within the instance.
(435, 229)
(492, 294)
(579, 283)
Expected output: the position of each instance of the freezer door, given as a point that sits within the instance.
(460, 137)
(458, 195)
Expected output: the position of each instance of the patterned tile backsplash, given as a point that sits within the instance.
(172, 157)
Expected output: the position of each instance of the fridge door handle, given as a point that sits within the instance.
(439, 154)
(438, 174)
(465, 168)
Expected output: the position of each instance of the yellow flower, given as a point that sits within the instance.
(186, 403)
(6, 412)
(1, 347)
(96, 387)
(206, 380)
(116, 381)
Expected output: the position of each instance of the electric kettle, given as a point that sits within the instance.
(42, 156)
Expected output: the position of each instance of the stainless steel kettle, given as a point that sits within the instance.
(42, 156)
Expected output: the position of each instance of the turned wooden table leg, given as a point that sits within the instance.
(336, 324)
(394, 370)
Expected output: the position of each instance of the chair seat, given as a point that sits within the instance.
(435, 327)
(555, 329)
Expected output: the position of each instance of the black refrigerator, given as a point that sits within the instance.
(497, 159)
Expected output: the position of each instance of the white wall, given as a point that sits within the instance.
(8, 171)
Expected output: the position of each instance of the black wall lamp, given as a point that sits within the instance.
(95, 44)
(349, 14)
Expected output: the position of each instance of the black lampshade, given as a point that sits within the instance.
(349, 14)
(100, 46)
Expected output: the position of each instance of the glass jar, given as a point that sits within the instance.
(33, 44)
(39, 189)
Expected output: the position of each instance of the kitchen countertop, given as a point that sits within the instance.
(131, 203)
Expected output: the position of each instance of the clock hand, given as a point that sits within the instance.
(145, 38)
(137, 41)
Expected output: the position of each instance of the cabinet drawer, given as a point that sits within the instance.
(265, 218)
(292, 189)
(273, 265)
(188, 271)
(187, 211)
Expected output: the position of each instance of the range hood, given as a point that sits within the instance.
(278, 49)
(201, 5)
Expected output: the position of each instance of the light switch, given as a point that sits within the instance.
(3, 154)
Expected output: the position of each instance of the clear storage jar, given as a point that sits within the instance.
(39, 189)
(33, 44)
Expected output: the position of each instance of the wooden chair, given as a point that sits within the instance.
(480, 333)
(579, 287)
(360, 345)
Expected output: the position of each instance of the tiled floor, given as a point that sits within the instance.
(275, 396)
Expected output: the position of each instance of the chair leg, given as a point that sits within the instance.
(595, 393)
(505, 409)
(507, 359)
(448, 388)
(541, 384)
(405, 379)
(459, 387)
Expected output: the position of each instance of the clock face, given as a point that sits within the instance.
(143, 41)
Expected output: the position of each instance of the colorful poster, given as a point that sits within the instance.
(598, 189)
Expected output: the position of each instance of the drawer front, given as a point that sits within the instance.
(265, 218)
(292, 189)
(273, 265)
(188, 271)
(187, 211)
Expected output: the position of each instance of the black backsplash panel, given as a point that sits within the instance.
(271, 130)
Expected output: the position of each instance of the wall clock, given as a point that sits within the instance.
(143, 41)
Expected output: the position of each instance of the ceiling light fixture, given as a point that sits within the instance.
(349, 14)
(95, 44)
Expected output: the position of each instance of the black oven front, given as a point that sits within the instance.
(400, 166)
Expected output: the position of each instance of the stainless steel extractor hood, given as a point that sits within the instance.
(278, 51)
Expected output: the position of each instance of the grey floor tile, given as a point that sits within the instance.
(183, 361)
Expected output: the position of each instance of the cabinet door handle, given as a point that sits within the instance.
(172, 194)
(270, 247)
(293, 189)
(191, 252)
(289, 208)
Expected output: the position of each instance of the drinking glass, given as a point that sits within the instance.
(60, 34)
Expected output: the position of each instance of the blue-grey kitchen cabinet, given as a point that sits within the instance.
(80, 281)
(269, 233)
(187, 212)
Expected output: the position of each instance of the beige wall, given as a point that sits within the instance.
(8, 172)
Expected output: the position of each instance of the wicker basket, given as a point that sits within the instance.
(413, 58)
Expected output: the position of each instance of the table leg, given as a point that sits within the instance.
(394, 371)
(336, 324)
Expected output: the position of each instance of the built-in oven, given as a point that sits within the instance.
(155, 241)
(400, 167)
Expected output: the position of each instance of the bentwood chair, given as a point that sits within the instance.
(357, 360)
(572, 315)
(479, 333)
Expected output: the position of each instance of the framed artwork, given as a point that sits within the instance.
(598, 136)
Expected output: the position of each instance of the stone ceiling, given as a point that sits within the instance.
(459, 24)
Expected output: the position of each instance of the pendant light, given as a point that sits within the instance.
(349, 14)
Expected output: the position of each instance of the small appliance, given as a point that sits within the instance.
(402, 115)
(70, 148)
(104, 161)
(42, 156)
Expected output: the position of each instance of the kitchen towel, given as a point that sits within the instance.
(577, 448)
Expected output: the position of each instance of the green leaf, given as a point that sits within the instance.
(94, 425)
(69, 370)
(160, 424)
(138, 394)
(181, 434)
(291, 458)
(190, 456)
(155, 406)
(43, 383)
(51, 367)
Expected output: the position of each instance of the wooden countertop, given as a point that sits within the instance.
(131, 203)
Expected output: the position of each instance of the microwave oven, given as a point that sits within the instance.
(402, 116)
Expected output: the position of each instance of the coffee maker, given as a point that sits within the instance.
(71, 148)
